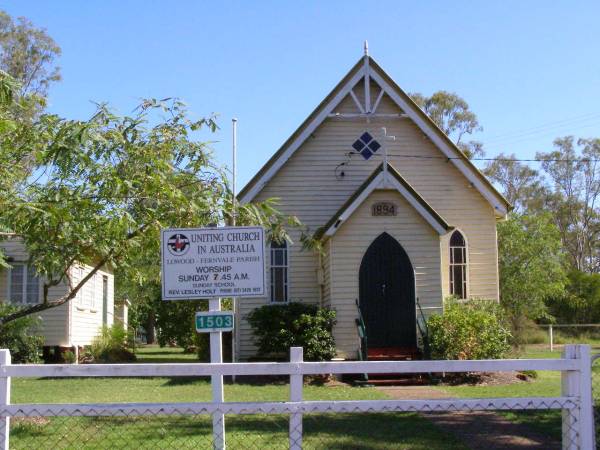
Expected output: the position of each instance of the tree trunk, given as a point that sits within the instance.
(150, 329)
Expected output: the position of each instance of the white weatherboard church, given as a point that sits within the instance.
(403, 215)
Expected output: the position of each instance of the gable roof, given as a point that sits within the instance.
(384, 178)
(367, 67)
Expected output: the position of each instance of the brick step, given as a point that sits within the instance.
(397, 357)
(394, 380)
(393, 354)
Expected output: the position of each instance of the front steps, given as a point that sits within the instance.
(393, 379)
(393, 354)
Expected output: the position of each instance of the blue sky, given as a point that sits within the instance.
(529, 69)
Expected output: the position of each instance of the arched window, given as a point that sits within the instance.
(458, 265)
(279, 272)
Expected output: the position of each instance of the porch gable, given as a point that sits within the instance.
(385, 177)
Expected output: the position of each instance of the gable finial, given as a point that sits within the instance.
(366, 47)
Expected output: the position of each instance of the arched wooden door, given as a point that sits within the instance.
(387, 294)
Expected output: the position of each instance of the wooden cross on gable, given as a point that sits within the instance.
(386, 138)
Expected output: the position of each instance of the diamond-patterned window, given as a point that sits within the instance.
(366, 145)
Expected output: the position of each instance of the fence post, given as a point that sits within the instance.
(586, 415)
(4, 401)
(296, 385)
(551, 333)
(569, 388)
(578, 423)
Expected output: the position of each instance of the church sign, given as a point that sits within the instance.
(202, 263)
(383, 209)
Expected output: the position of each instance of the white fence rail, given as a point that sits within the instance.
(575, 400)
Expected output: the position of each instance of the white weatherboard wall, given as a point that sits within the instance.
(308, 188)
(75, 322)
(86, 308)
(417, 237)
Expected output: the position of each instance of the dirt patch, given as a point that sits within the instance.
(478, 430)
(487, 430)
(30, 420)
(413, 392)
(485, 379)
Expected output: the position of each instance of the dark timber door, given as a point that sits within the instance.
(387, 294)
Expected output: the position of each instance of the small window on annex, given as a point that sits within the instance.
(23, 285)
(279, 272)
(458, 265)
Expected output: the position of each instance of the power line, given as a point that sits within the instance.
(524, 138)
(448, 158)
(544, 128)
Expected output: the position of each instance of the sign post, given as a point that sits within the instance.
(216, 381)
(212, 263)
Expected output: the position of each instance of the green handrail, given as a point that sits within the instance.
(363, 353)
(423, 331)
(362, 334)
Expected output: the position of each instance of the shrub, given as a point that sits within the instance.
(69, 357)
(532, 374)
(530, 333)
(19, 336)
(279, 327)
(475, 329)
(111, 345)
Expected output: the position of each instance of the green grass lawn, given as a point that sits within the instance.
(155, 354)
(547, 383)
(358, 431)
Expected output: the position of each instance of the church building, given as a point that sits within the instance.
(405, 219)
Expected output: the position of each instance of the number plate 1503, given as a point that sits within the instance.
(208, 322)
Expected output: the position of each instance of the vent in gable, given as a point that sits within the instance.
(366, 145)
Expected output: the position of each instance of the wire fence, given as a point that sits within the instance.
(453, 426)
(555, 336)
(544, 422)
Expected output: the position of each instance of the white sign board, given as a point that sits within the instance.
(212, 262)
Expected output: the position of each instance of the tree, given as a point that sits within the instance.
(19, 137)
(28, 65)
(521, 185)
(575, 178)
(28, 54)
(173, 320)
(581, 301)
(452, 114)
(109, 185)
(531, 264)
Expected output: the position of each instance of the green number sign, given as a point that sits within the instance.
(207, 322)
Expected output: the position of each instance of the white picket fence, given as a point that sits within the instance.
(575, 400)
